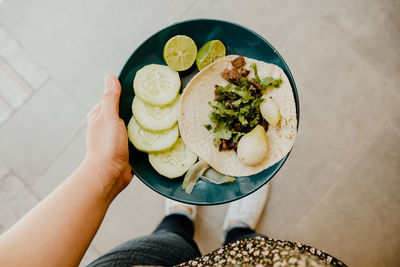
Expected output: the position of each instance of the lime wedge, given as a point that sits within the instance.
(210, 52)
(180, 52)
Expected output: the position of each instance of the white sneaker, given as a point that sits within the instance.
(247, 211)
(175, 207)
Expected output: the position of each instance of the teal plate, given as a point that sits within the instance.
(239, 41)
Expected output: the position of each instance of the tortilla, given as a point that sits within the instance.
(195, 110)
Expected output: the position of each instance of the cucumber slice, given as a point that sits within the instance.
(155, 118)
(174, 162)
(148, 141)
(156, 85)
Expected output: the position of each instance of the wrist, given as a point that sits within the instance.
(98, 178)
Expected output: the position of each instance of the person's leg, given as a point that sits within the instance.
(171, 243)
(243, 216)
(239, 233)
(180, 225)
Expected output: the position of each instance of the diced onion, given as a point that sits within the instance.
(193, 175)
(215, 177)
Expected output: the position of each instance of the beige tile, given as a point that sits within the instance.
(39, 131)
(345, 100)
(15, 200)
(20, 61)
(379, 42)
(77, 46)
(358, 219)
(4, 113)
(62, 166)
(252, 14)
(4, 170)
(10, 90)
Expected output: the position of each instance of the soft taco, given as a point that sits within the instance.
(198, 130)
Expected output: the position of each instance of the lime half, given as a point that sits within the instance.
(210, 52)
(180, 52)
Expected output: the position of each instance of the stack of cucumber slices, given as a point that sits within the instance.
(153, 127)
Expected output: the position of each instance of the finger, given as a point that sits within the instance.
(112, 92)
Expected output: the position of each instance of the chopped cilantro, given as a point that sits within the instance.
(269, 81)
(208, 126)
(235, 139)
(235, 110)
(245, 94)
(254, 121)
(256, 77)
(221, 131)
(237, 103)
(244, 82)
(256, 103)
(242, 120)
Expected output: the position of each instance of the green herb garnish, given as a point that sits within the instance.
(235, 110)
(256, 77)
(269, 81)
(208, 126)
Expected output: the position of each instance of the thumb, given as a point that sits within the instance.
(112, 92)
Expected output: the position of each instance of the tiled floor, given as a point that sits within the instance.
(338, 190)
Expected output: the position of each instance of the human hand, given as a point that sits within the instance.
(107, 141)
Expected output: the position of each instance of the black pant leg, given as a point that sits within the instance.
(239, 233)
(170, 244)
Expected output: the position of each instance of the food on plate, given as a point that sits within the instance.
(212, 176)
(210, 52)
(222, 103)
(270, 111)
(149, 141)
(253, 146)
(237, 115)
(236, 106)
(154, 118)
(173, 162)
(153, 127)
(180, 52)
(193, 174)
(156, 85)
(202, 170)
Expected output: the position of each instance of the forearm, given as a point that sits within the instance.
(59, 229)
